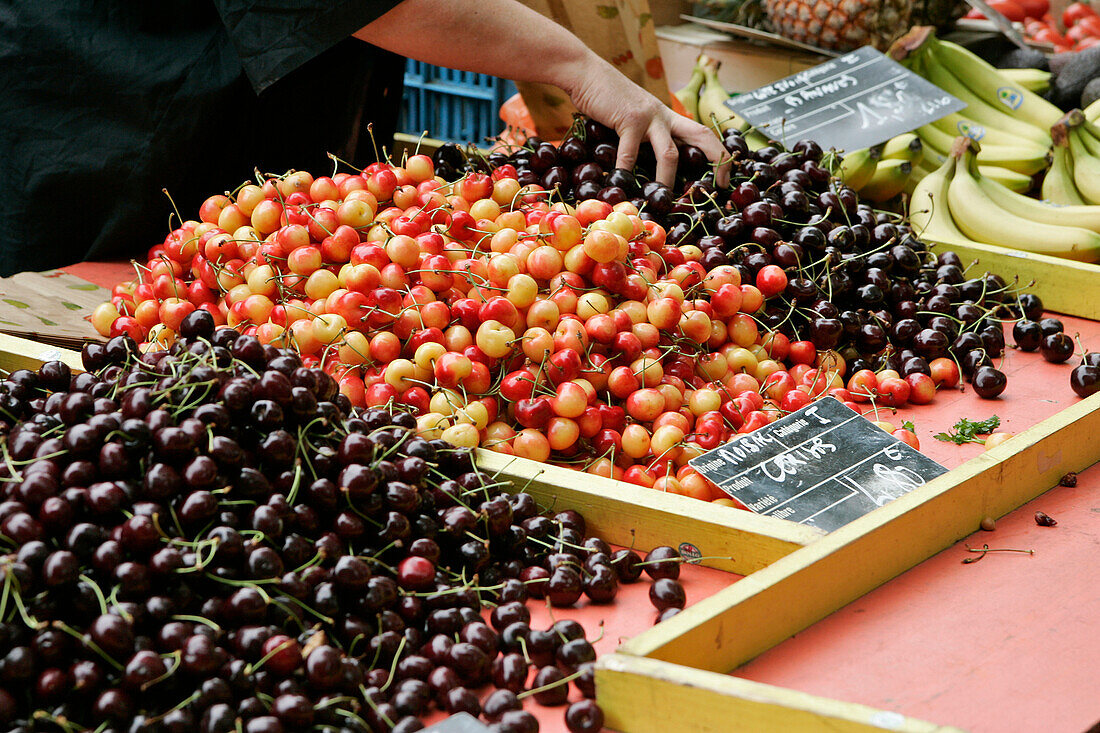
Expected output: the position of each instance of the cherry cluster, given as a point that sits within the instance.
(209, 538)
(832, 271)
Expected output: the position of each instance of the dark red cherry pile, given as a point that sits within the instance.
(209, 539)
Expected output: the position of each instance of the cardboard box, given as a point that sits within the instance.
(620, 31)
(746, 65)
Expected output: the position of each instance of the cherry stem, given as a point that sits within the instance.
(98, 594)
(88, 643)
(558, 683)
(393, 665)
(985, 549)
(59, 720)
(174, 656)
(197, 620)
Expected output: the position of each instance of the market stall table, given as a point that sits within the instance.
(983, 643)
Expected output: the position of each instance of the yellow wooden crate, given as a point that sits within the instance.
(674, 676)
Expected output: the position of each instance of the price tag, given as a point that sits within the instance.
(854, 101)
(823, 465)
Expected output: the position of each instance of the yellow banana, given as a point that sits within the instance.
(1058, 186)
(983, 220)
(921, 169)
(903, 147)
(1092, 112)
(978, 110)
(929, 215)
(1086, 168)
(1024, 157)
(712, 109)
(958, 124)
(1034, 80)
(1010, 179)
(1090, 136)
(857, 167)
(1086, 217)
(689, 95)
(993, 87)
(887, 181)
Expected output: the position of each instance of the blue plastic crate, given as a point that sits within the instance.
(455, 106)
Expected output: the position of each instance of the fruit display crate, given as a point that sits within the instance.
(793, 575)
(450, 105)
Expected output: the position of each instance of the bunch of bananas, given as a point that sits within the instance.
(882, 172)
(1003, 111)
(1034, 80)
(957, 204)
(703, 99)
(1074, 175)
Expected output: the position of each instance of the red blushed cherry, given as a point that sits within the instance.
(893, 392)
(534, 413)
(564, 366)
(415, 573)
(922, 388)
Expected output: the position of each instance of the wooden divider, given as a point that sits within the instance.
(649, 696)
(729, 539)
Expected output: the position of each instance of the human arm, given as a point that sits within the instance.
(506, 39)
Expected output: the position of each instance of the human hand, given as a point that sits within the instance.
(605, 95)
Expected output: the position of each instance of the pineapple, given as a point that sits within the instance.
(840, 25)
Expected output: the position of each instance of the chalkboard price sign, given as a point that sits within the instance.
(860, 99)
(823, 465)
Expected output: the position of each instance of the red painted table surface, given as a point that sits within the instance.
(1005, 644)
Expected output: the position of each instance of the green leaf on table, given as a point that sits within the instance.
(47, 321)
(607, 11)
(83, 286)
(967, 431)
(16, 303)
(908, 425)
(72, 306)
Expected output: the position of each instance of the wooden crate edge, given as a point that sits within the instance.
(1065, 286)
(642, 695)
(624, 514)
(21, 353)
